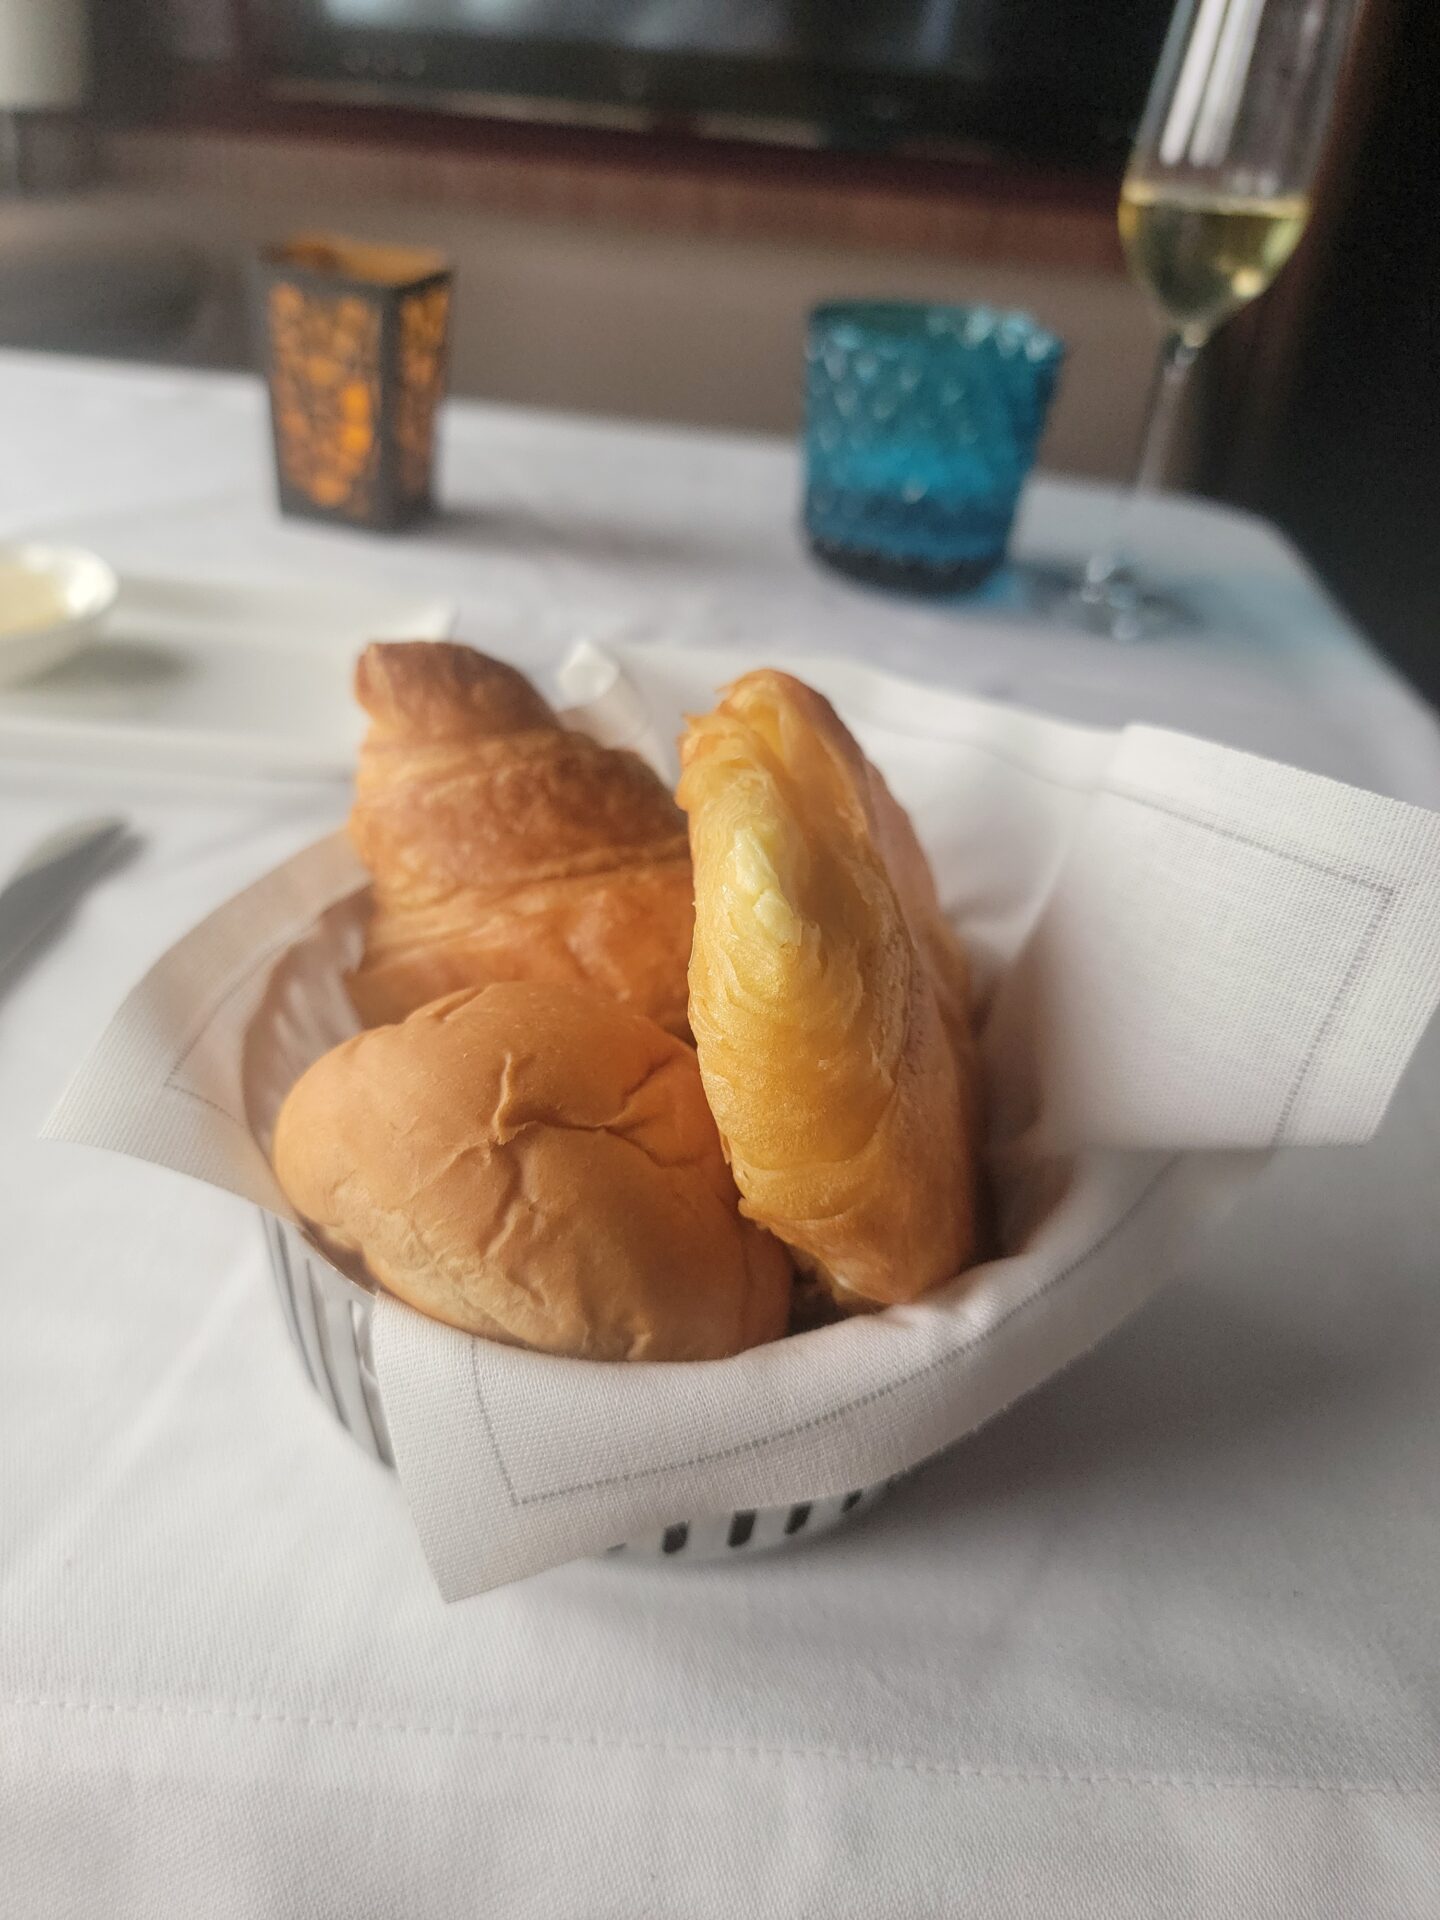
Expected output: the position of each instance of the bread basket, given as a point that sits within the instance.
(1145, 1055)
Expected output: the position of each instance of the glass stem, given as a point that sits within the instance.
(1176, 358)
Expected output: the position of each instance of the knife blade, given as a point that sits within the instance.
(52, 875)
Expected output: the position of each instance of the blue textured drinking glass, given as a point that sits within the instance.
(921, 424)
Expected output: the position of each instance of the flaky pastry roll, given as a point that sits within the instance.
(829, 999)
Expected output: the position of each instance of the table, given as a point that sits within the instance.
(226, 1686)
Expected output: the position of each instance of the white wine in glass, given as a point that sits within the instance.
(1214, 201)
(1203, 255)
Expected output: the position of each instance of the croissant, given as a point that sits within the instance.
(829, 999)
(505, 847)
(526, 1162)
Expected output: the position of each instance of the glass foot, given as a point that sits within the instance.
(1116, 603)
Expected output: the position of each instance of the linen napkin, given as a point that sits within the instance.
(1185, 958)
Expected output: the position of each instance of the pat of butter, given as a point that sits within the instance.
(29, 600)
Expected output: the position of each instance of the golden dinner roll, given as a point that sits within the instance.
(829, 999)
(535, 1164)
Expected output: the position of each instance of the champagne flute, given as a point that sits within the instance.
(1214, 200)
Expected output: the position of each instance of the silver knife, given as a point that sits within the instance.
(51, 876)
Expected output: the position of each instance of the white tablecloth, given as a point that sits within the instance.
(1160, 1641)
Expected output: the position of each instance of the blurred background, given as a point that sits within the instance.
(642, 198)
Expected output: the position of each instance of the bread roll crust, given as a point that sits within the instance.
(530, 1163)
(829, 999)
(506, 847)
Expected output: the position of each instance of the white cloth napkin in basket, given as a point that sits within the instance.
(1186, 958)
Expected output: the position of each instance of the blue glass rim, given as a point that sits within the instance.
(906, 322)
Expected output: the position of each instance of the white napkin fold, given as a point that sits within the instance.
(1185, 957)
